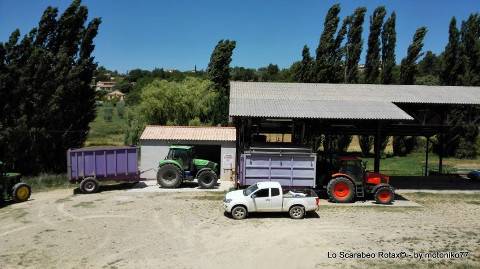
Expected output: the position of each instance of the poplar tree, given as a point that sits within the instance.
(451, 56)
(304, 71)
(408, 67)
(470, 50)
(337, 70)
(327, 45)
(372, 63)
(218, 71)
(354, 45)
(46, 79)
(389, 40)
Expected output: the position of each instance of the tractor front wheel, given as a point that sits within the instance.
(169, 176)
(207, 179)
(341, 190)
(21, 192)
(384, 195)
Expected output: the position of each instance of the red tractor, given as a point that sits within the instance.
(350, 181)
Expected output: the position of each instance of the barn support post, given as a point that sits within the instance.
(427, 145)
(376, 149)
(440, 153)
(441, 142)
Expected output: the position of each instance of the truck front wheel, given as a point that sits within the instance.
(169, 176)
(297, 212)
(341, 190)
(239, 212)
(207, 179)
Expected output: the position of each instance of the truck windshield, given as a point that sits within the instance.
(250, 190)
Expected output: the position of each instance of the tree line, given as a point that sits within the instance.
(47, 102)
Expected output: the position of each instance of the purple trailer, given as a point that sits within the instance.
(291, 167)
(89, 166)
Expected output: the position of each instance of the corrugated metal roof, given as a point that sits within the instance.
(188, 133)
(338, 101)
(324, 109)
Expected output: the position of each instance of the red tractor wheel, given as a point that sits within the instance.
(341, 190)
(384, 195)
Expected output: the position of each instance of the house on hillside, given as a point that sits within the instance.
(105, 86)
(115, 95)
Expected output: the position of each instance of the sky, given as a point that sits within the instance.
(179, 34)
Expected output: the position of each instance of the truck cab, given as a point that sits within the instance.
(269, 197)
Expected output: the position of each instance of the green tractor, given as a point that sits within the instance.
(12, 188)
(181, 164)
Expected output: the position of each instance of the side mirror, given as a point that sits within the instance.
(253, 196)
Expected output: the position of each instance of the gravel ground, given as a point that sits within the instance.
(125, 229)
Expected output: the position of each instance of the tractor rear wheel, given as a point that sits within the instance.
(169, 176)
(341, 190)
(89, 185)
(21, 192)
(384, 195)
(207, 179)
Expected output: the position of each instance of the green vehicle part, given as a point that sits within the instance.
(11, 186)
(180, 165)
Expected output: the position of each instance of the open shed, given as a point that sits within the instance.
(308, 110)
(216, 144)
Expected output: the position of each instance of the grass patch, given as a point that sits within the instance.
(414, 164)
(106, 133)
(44, 182)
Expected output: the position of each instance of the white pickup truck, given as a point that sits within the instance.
(269, 197)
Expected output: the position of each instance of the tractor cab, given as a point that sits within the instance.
(352, 166)
(183, 155)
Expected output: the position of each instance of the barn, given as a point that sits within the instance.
(216, 144)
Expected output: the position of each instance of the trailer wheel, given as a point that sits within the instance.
(89, 185)
(341, 190)
(239, 212)
(297, 212)
(207, 179)
(21, 192)
(169, 176)
(384, 195)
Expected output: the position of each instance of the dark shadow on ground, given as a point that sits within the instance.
(275, 215)
(441, 182)
(193, 185)
(322, 194)
(116, 187)
(6, 203)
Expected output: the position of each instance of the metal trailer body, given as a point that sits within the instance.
(103, 163)
(291, 167)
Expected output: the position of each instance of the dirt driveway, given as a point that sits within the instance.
(120, 229)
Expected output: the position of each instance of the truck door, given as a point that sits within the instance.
(276, 200)
(261, 200)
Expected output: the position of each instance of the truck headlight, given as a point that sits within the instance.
(227, 200)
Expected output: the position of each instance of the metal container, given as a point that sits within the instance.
(103, 163)
(291, 167)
